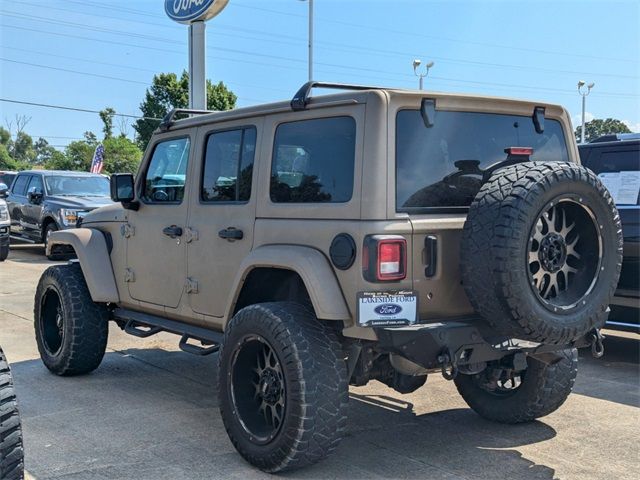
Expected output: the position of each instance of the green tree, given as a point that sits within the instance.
(121, 155)
(5, 137)
(106, 116)
(42, 151)
(59, 161)
(167, 91)
(598, 127)
(79, 155)
(22, 148)
(6, 161)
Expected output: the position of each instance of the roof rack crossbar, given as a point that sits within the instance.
(168, 119)
(301, 98)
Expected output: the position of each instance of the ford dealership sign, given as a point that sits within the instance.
(188, 11)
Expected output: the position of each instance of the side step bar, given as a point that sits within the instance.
(144, 325)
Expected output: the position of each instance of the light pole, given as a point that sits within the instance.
(310, 38)
(584, 94)
(416, 63)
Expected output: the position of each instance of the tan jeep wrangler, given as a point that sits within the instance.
(371, 234)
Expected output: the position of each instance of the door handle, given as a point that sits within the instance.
(231, 233)
(173, 231)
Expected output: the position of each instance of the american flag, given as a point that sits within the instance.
(98, 157)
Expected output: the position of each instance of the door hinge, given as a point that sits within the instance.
(127, 230)
(191, 285)
(190, 235)
(129, 276)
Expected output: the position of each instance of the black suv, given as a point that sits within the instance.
(616, 160)
(43, 201)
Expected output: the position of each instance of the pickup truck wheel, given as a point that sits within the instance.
(507, 396)
(283, 388)
(50, 228)
(541, 251)
(4, 252)
(11, 448)
(71, 330)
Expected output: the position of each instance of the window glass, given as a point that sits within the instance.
(615, 161)
(20, 184)
(228, 166)
(167, 172)
(438, 166)
(313, 161)
(35, 184)
(83, 186)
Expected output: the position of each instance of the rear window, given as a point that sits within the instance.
(613, 161)
(426, 172)
(313, 161)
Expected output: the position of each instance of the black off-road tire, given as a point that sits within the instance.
(315, 383)
(11, 448)
(81, 338)
(496, 242)
(543, 390)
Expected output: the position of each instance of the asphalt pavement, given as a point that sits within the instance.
(150, 411)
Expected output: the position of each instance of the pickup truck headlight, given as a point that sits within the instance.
(4, 213)
(68, 217)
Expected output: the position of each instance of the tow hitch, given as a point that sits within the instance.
(597, 347)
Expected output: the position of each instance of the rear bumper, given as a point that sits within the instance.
(460, 343)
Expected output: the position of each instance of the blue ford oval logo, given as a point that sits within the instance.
(187, 11)
(388, 309)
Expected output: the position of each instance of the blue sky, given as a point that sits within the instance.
(528, 49)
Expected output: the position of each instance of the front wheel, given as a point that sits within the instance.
(71, 330)
(4, 252)
(283, 388)
(50, 228)
(508, 396)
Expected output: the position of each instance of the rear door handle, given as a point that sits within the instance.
(231, 233)
(173, 231)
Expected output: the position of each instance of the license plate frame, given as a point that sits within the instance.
(395, 308)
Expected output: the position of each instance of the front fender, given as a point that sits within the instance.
(312, 266)
(91, 249)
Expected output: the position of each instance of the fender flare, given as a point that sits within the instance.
(91, 249)
(313, 268)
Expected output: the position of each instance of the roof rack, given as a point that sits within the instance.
(168, 119)
(301, 98)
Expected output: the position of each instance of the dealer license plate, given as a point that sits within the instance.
(384, 309)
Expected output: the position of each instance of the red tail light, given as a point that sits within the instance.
(519, 151)
(384, 258)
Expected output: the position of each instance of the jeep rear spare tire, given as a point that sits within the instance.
(282, 383)
(541, 251)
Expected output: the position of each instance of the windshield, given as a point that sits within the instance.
(426, 170)
(97, 186)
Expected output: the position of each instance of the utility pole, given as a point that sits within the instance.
(584, 93)
(416, 63)
(310, 38)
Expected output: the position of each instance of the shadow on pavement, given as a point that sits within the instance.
(155, 407)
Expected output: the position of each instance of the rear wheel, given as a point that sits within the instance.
(71, 330)
(509, 396)
(11, 449)
(283, 389)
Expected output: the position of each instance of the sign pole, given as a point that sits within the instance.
(197, 66)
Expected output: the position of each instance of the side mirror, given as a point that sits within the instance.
(123, 190)
(3, 190)
(34, 195)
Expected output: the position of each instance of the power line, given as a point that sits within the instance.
(448, 39)
(73, 109)
(349, 68)
(331, 45)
